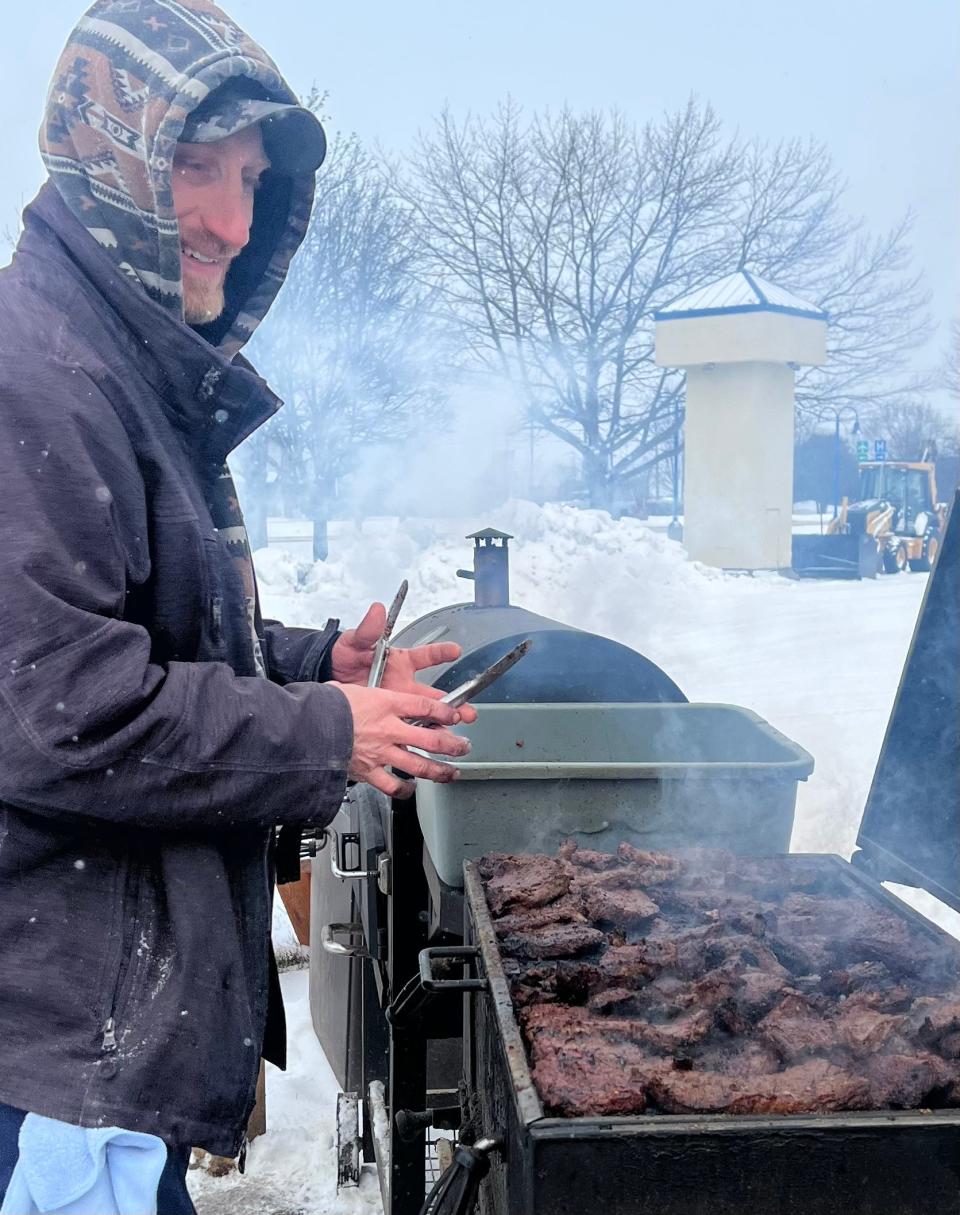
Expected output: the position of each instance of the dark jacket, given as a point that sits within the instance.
(143, 762)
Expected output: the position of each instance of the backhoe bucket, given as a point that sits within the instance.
(835, 556)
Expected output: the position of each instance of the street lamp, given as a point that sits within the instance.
(838, 412)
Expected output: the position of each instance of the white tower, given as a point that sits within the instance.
(739, 340)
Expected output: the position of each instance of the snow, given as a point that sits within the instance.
(819, 660)
(293, 1167)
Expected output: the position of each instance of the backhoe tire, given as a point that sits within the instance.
(924, 563)
(894, 560)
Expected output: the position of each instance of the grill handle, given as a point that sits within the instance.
(339, 866)
(450, 953)
(422, 988)
(344, 939)
(456, 1191)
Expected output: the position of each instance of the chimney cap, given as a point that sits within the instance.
(489, 533)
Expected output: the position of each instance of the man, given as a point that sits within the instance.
(153, 729)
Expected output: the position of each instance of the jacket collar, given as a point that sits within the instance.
(216, 401)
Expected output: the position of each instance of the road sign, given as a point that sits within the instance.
(863, 449)
(880, 449)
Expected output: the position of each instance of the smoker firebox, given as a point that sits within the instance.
(871, 1163)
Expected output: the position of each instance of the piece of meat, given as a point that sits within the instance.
(566, 909)
(529, 984)
(837, 933)
(778, 877)
(617, 877)
(553, 941)
(865, 1031)
(669, 1037)
(632, 965)
(584, 858)
(622, 907)
(657, 868)
(758, 991)
(707, 949)
(581, 1074)
(905, 1082)
(816, 1086)
(740, 913)
(867, 985)
(619, 1000)
(860, 976)
(934, 1020)
(522, 881)
(739, 996)
(795, 1028)
(665, 1037)
(742, 1058)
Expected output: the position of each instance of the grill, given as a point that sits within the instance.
(889, 1162)
(428, 1061)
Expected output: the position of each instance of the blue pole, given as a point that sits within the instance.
(836, 463)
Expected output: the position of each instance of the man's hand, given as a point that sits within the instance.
(352, 657)
(382, 731)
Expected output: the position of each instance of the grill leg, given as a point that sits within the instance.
(408, 1048)
(408, 1087)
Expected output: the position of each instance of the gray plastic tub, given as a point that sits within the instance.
(659, 775)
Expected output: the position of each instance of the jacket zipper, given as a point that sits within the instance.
(127, 936)
(109, 1035)
(216, 620)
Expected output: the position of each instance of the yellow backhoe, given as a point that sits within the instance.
(895, 524)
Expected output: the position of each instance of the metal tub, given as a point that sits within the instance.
(658, 775)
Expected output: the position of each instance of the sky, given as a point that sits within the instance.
(875, 80)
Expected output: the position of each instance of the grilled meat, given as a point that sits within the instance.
(622, 907)
(553, 941)
(522, 881)
(710, 983)
(815, 1085)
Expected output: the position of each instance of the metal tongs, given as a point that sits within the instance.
(472, 687)
(381, 651)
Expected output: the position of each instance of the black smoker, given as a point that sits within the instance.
(400, 1032)
(378, 901)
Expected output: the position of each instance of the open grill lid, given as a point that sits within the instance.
(910, 831)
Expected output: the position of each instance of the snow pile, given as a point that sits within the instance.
(819, 660)
(561, 559)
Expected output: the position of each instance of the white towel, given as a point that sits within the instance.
(75, 1170)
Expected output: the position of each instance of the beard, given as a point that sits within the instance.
(202, 302)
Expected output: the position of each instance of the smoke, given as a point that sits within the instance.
(472, 457)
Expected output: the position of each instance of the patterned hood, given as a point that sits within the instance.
(132, 73)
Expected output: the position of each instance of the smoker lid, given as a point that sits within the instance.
(910, 831)
(565, 663)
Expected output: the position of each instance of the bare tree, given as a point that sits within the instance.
(950, 371)
(553, 240)
(913, 429)
(349, 344)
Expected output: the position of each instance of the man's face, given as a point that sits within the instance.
(213, 191)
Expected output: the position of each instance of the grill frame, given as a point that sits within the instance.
(873, 1163)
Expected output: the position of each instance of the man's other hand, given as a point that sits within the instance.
(383, 730)
(352, 657)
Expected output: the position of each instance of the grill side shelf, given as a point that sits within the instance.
(528, 1104)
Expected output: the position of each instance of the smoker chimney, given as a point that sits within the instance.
(491, 568)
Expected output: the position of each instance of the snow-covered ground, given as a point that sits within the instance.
(819, 660)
